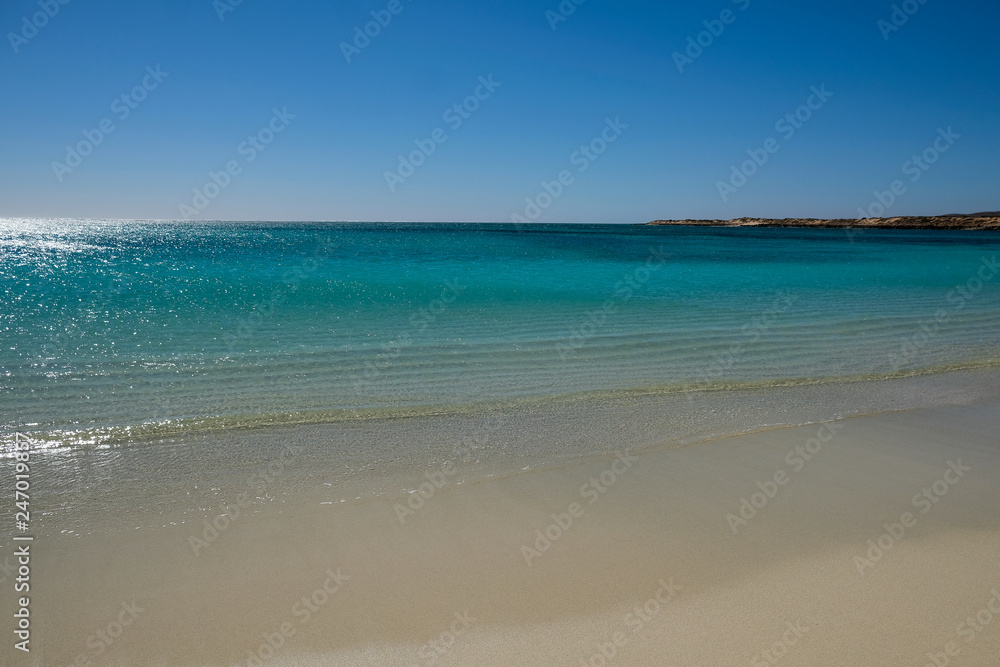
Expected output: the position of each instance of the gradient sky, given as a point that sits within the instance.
(606, 60)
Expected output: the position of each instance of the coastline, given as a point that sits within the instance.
(151, 431)
(186, 475)
(655, 526)
(976, 222)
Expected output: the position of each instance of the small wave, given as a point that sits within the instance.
(116, 435)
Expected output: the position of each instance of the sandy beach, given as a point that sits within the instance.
(561, 334)
(869, 539)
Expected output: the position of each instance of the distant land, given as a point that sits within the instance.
(990, 220)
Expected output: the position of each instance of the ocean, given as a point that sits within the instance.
(116, 331)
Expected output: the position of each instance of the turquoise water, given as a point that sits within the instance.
(111, 325)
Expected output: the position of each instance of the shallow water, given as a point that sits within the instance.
(186, 326)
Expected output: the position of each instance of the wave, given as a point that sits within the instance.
(43, 437)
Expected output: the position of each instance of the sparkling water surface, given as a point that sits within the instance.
(113, 325)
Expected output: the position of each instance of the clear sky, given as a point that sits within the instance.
(609, 68)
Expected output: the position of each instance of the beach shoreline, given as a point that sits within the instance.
(547, 566)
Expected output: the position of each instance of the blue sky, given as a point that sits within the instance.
(558, 88)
